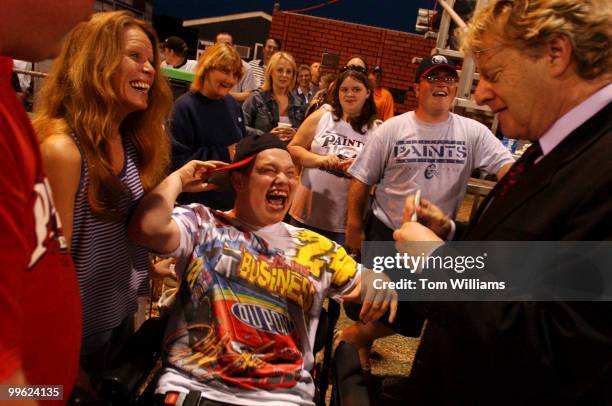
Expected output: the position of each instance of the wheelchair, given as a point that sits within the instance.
(132, 368)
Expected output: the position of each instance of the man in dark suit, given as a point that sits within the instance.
(546, 70)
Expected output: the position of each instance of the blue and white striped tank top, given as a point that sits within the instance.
(112, 270)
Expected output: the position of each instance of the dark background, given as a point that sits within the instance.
(392, 14)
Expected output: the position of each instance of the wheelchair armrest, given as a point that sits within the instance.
(349, 385)
(134, 362)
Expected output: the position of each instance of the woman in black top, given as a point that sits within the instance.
(207, 122)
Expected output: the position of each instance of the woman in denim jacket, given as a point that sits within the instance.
(273, 108)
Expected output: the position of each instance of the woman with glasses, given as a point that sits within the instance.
(207, 121)
(274, 108)
(325, 146)
(101, 116)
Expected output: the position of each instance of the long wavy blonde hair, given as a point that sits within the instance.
(78, 97)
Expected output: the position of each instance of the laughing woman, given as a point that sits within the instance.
(100, 117)
(207, 122)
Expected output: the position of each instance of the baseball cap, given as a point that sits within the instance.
(175, 43)
(377, 69)
(432, 63)
(246, 151)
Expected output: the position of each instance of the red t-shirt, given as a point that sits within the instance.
(40, 309)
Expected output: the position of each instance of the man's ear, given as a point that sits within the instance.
(237, 181)
(559, 54)
(416, 89)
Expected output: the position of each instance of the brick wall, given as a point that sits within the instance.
(307, 38)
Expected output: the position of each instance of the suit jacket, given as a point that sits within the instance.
(523, 353)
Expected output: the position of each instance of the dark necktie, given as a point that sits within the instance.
(517, 170)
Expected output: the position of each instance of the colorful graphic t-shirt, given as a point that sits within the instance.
(243, 325)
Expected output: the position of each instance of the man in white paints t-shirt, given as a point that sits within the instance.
(430, 149)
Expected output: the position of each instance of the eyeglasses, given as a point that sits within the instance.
(445, 79)
(356, 68)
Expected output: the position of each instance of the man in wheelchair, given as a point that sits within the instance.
(243, 326)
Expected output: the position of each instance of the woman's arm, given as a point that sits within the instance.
(299, 147)
(62, 161)
(151, 225)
